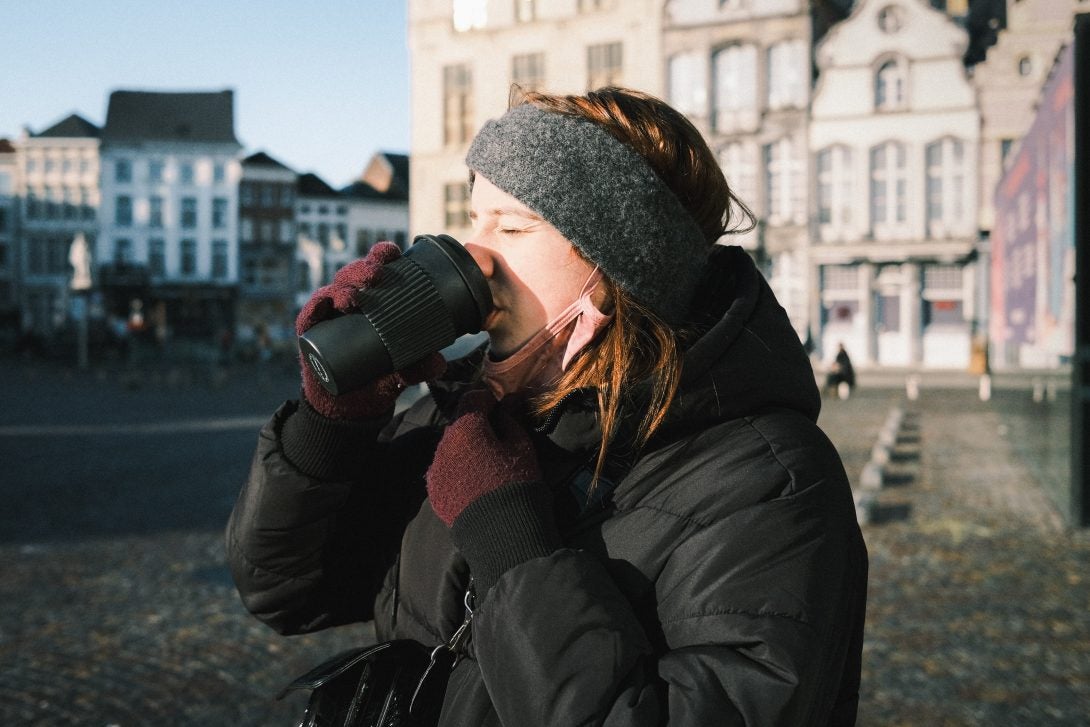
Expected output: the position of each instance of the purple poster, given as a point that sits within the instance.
(1032, 307)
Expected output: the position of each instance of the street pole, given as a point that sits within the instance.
(1080, 370)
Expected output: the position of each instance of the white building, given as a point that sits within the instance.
(467, 53)
(57, 180)
(741, 72)
(169, 212)
(895, 140)
(336, 227)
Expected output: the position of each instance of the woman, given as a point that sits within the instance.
(656, 530)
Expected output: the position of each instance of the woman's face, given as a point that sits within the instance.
(533, 271)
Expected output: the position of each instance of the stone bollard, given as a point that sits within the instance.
(865, 504)
(880, 454)
(872, 476)
(912, 387)
(985, 389)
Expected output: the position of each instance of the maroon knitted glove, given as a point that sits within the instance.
(339, 297)
(483, 449)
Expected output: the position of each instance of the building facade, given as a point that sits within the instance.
(267, 242)
(57, 187)
(1009, 82)
(468, 53)
(894, 134)
(741, 72)
(9, 210)
(169, 213)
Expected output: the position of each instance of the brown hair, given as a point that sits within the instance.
(639, 345)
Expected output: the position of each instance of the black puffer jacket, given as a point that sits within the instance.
(722, 582)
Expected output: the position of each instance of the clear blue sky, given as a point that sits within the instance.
(320, 86)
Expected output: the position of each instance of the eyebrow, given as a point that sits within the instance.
(519, 211)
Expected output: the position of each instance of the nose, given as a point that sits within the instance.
(482, 256)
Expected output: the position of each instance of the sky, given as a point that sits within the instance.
(319, 86)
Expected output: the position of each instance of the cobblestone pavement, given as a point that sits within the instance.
(979, 600)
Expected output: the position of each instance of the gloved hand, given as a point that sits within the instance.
(482, 450)
(339, 297)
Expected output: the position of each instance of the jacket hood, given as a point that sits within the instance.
(748, 357)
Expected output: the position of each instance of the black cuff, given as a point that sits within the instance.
(324, 448)
(505, 527)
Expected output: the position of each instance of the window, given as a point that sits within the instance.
(783, 182)
(155, 211)
(157, 259)
(525, 11)
(287, 231)
(834, 186)
(219, 212)
(188, 218)
(888, 188)
(323, 234)
(86, 207)
(590, 6)
(185, 173)
(1025, 66)
(123, 210)
(603, 65)
(528, 71)
(122, 251)
(456, 204)
(218, 173)
(1005, 146)
(122, 171)
(246, 194)
(155, 171)
(457, 105)
(470, 14)
(188, 257)
(739, 164)
(788, 71)
(945, 184)
(363, 241)
(890, 19)
(688, 83)
(889, 86)
(219, 259)
(268, 197)
(735, 76)
(943, 294)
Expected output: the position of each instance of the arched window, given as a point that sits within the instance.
(688, 83)
(735, 78)
(889, 85)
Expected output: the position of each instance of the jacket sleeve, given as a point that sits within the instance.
(319, 520)
(751, 630)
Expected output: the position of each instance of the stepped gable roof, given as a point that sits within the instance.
(311, 185)
(261, 159)
(387, 175)
(197, 116)
(71, 127)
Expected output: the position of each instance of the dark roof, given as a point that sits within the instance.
(6, 147)
(261, 159)
(70, 127)
(311, 185)
(362, 190)
(171, 116)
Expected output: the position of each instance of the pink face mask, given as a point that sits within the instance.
(543, 358)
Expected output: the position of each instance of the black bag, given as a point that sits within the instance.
(397, 683)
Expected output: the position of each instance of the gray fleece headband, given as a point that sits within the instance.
(600, 194)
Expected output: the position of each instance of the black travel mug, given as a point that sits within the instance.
(421, 303)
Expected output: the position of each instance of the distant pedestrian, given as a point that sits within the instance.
(840, 379)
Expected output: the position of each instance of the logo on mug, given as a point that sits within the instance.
(318, 368)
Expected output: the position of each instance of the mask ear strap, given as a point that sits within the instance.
(593, 279)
